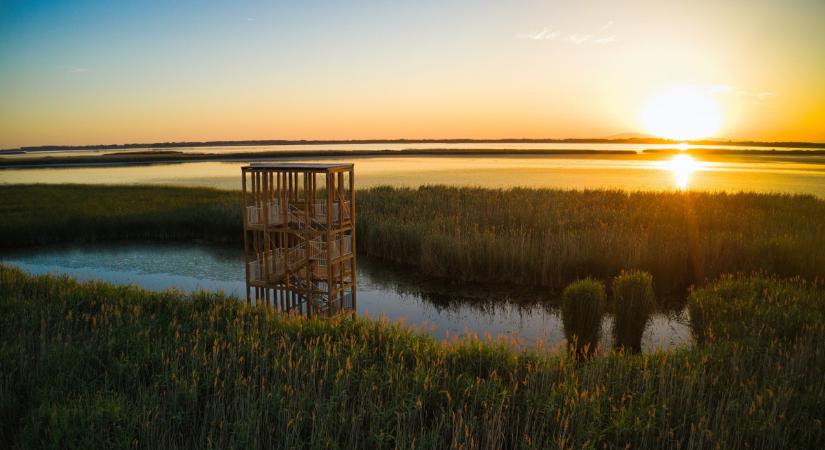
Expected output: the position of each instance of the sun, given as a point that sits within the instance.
(682, 113)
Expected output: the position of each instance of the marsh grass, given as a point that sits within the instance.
(92, 365)
(44, 214)
(582, 309)
(548, 238)
(633, 302)
(747, 308)
(533, 237)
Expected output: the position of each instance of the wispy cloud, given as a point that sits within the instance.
(576, 38)
(545, 34)
(580, 39)
(744, 93)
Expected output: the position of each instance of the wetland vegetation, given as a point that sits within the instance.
(93, 365)
(537, 237)
(548, 237)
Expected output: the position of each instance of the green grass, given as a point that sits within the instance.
(92, 365)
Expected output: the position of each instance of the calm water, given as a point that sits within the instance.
(753, 173)
(426, 304)
(346, 147)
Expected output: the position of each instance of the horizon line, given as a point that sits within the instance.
(241, 142)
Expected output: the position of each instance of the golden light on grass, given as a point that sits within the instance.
(682, 113)
(682, 167)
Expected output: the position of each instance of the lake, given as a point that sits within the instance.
(782, 174)
(429, 305)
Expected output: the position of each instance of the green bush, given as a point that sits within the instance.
(633, 302)
(582, 309)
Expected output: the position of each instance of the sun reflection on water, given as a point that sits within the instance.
(682, 166)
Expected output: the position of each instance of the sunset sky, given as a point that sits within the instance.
(90, 72)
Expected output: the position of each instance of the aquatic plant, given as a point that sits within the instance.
(44, 214)
(538, 237)
(93, 365)
(546, 237)
(582, 310)
(633, 303)
(745, 308)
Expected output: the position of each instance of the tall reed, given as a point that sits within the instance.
(44, 214)
(744, 308)
(633, 303)
(91, 365)
(550, 237)
(582, 310)
(536, 237)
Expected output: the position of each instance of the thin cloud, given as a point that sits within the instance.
(758, 96)
(726, 89)
(545, 34)
(550, 34)
(578, 38)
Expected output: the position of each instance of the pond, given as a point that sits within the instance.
(429, 305)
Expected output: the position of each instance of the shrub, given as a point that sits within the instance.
(633, 303)
(582, 309)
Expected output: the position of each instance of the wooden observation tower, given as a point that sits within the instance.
(299, 236)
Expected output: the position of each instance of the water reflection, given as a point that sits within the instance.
(786, 174)
(682, 166)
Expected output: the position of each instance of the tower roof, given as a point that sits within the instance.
(295, 166)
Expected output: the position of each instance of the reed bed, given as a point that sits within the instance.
(44, 214)
(92, 365)
(747, 308)
(550, 237)
(536, 237)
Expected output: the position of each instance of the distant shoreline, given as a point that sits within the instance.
(173, 157)
(267, 142)
(113, 159)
